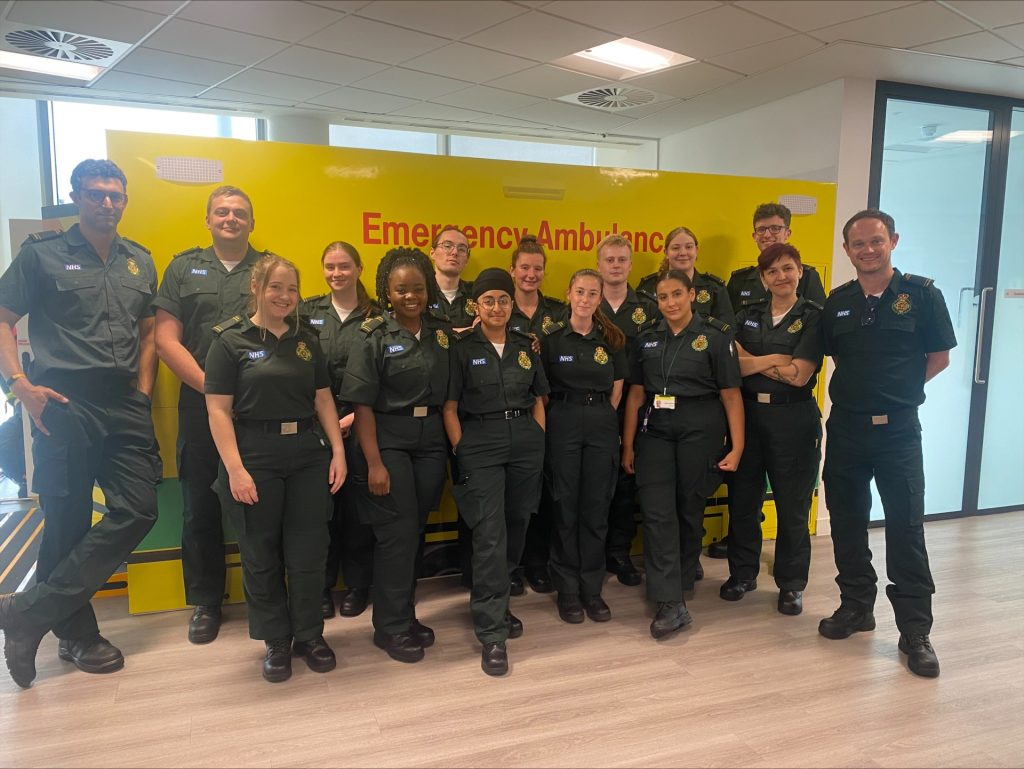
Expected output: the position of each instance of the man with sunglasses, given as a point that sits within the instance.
(450, 254)
(88, 295)
(888, 333)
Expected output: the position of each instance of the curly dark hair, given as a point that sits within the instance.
(405, 257)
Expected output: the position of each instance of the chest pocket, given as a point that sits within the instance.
(193, 288)
(79, 297)
(77, 282)
(485, 380)
(892, 322)
(404, 371)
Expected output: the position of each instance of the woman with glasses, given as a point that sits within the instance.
(397, 381)
(779, 341)
(494, 417)
(267, 387)
(585, 365)
(683, 428)
(336, 317)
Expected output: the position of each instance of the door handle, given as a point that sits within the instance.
(983, 305)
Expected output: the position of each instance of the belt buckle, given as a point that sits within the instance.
(764, 397)
(419, 411)
(880, 419)
(289, 428)
(510, 414)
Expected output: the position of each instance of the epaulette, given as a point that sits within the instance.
(368, 325)
(814, 304)
(750, 302)
(311, 299)
(551, 328)
(223, 326)
(187, 251)
(649, 323)
(917, 280)
(713, 278)
(136, 244)
(810, 267)
(460, 335)
(524, 334)
(716, 323)
(743, 269)
(643, 293)
(555, 302)
(37, 237)
(837, 289)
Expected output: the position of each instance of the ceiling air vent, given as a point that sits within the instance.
(613, 98)
(60, 45)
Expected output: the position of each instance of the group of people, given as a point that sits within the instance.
(325, 428)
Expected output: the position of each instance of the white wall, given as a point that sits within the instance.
(20, 188)
(643, 156)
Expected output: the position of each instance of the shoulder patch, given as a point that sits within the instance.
(223, 326)
(188, 251)
(551, 328)
(368, 325)
(37, 237)
(716, 323)
(136, 244)
(714, 278)
(917, 280)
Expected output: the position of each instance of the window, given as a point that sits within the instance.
(383, 139)
(509, 149)
(79, 131)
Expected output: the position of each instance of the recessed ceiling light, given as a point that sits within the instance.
(44, 66)
(970, 137)
(633, 56)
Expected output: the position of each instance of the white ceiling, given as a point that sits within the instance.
(486, 65)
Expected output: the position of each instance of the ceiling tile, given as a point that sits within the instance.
(538, 36)
(568, 116)
(189, 37)
(547, 82)
(991, 13)
(320, 65)
(440, 112)
(123, 81)
(406, 82)
(275, 84)
(760, 58)
(87, 17)
(358, 100)
(902, 28)
(1014, 34)
(225, 94)
(488, 99)
(345, 6)
(624, 19)
(174, 66)
(1018, 62)
(468, 63)
(508, 121)
(453, 19)
(714, 32)
(686, 81)
(153, 6)
(269, 18)
(980, 45)
(804, 16)
(366, 39)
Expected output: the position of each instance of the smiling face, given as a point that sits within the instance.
(407, 292)
(869, 246)
(681, 252)
(230, 220)
(614, 264)
(340, 270)
(528, 272)
(494, 309)
(100, 215)
(675, 301)
(584, 296)
(280, 297)
(782, 276)
(764, 235)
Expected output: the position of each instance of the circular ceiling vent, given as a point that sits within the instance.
(53, 44)
(613, 97)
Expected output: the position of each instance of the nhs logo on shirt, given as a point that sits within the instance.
(317, 321)
(843, 313)
(752, 324)
(72, 266)
(478, 362)
(650, 345)
(566, 358)
(394, 349)
(197, 271)
(745, 292)
(257, 354)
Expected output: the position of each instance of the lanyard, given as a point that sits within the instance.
(664, 374)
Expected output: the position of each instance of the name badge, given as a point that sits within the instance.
(393, 349)
(881, 419)
(72, 266)
(317, 321)
(478, 362)
(566, 358)
(257, 354)
(744, 293)
(752, 324)
(843, 313)
(664, 401)
(197, 271)
(650, 345)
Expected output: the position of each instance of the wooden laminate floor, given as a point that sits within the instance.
(743, 686)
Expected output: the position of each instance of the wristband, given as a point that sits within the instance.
(14, 378)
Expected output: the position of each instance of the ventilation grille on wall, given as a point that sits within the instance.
(613, 98)
(60, 44)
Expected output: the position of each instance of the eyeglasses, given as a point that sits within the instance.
(488, 302)
(774, 229)
(867, 318)
(98, 196)
(448, 246)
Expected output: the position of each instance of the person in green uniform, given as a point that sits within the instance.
(397, 380)
(683, 429)
(632, 313)
(336, 317)
(709, 295)
(450, 252)
(532, 313)
(88, 294)
(780, 351)
(267, 388)
(888, 334)
(494, 417)
(585, 365)
(200, 287)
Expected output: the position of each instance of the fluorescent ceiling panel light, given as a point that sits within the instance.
(970, 137)
(44, 66)
(633, 56)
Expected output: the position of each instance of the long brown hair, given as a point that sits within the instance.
(261, 272)
(612, 334)
(365, 305)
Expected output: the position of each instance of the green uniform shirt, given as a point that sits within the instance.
(549, 311)
(745, 286)
(710, 297)
(338, 338)
(83, 315)
(582, 363)
(797, 335)
(880, 365)
(270, 378)
(460, 311)
(700, 360)
(393, 370)
(634, 314)
(483, 383)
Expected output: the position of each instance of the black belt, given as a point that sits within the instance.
(507, 414)
(413, 411)
(794, 397)
(687, 398)
(892, 416)
(583, 399)
(278, 427)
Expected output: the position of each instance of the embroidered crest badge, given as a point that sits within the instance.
(902, 304)
(700, 344)
(133, 266)
(470, 307)
(303, 352)
(703, 297)
(638, 316)
(601, 355)
(795, 326)
(524, 360)
(442, 339)
(547, 325)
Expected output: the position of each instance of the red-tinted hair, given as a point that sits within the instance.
(774, 252)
